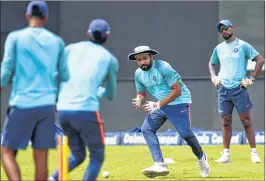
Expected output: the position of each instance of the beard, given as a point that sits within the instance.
(227, 36)
(146, 67)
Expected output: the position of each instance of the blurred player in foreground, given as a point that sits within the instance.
(231, 83)
(174, 101)
(90, 64)
(32, 55)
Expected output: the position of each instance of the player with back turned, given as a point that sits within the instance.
(33, 55)
(90, 65)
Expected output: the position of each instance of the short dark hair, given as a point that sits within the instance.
(97, 37)
(36, 12)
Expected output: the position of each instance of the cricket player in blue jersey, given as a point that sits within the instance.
(33, 56)
(90, 66)
(174, 104)
(231, 83)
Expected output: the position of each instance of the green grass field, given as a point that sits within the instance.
(127, 162)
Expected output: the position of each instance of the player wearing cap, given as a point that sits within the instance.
(174, 104)
(231, 83)
(32, 55)
(90, 64)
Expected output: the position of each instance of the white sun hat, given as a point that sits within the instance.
(140, 50)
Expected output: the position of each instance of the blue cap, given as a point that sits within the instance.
(42, 5)
(223, 22)
(99, 25)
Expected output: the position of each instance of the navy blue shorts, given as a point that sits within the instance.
(229, 98)
(83, 128)
(29, 124)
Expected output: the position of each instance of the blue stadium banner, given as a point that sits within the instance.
(169, 138)
(165, 138)
(259, 137)
(172, 138)
(112, 138)
(216, 138)
(132, 139)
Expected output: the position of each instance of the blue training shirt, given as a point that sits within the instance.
(159, 79)
(33, 56)
(90, 65)
(233, 59)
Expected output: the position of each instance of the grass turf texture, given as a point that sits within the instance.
(127, 162)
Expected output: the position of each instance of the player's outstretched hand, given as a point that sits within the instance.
(136, 102)
(151, 106)
(216, 81)
(247, 82)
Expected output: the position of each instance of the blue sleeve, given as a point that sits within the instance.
(169, 74)
(109, 91)
(63, 67)
(214, 57)
(8, 63)
(139, 86)
(250, 52)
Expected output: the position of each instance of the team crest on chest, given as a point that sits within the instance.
(152, 81)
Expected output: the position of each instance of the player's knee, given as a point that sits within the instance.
(6, 151)
(97, 154)
(226, 122)
(144, 129)
(246, 122)
(191, 139)
(79, 156)
(186, 134)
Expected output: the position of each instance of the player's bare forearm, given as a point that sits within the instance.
(6, 72)
(258, 67)
(212, 69)
(176, 92)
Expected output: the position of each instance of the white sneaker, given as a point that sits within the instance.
(51, 179)
(255, 157)
(157, 169)
(225, 158)
(204, 166)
